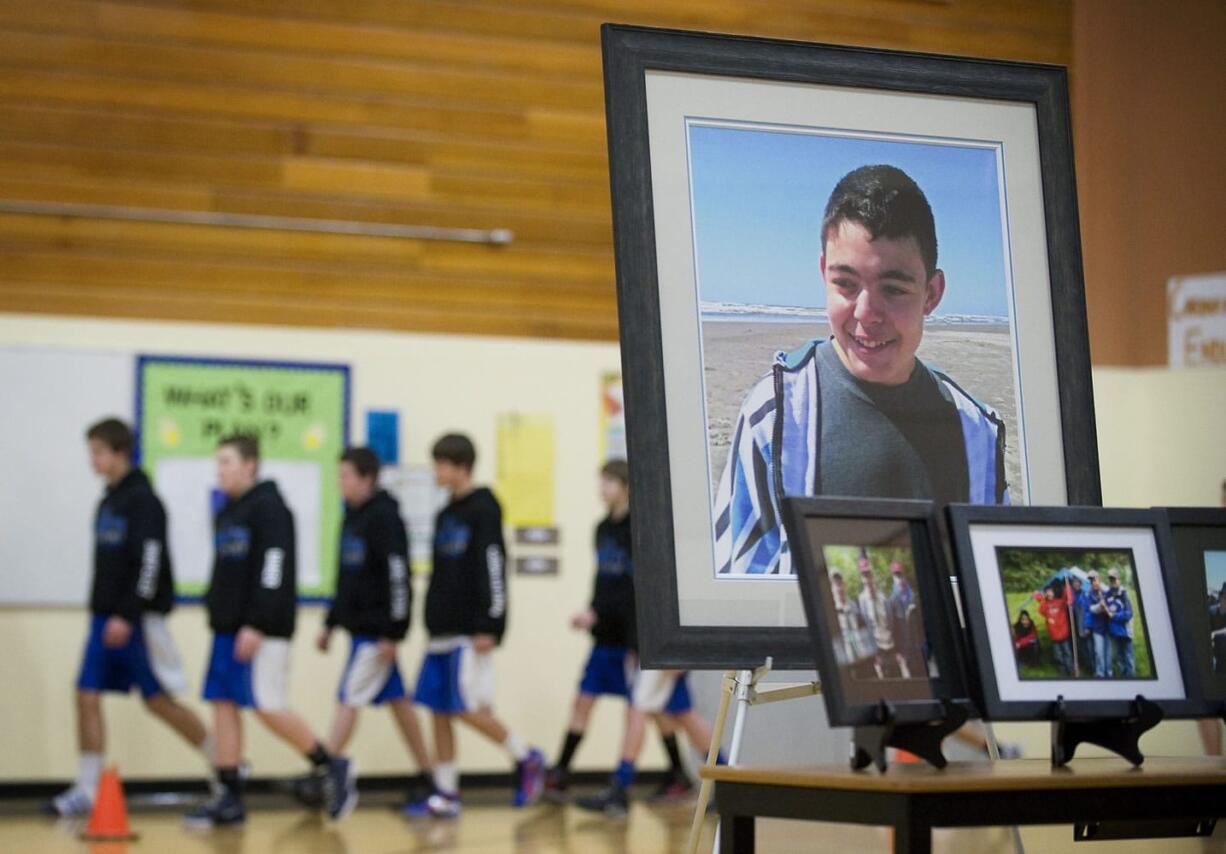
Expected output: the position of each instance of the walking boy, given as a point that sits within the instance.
(466, 612)
(133, 590)
(252, 604)
(611, 667)
(374, 603)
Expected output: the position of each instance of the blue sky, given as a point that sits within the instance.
(1215, 570)
(758, 197)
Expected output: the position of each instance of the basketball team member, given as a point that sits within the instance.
(133, 590)
(466, 614)
(252, 605)
(610, 618)
(374, 601)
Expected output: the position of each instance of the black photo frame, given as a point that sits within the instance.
(982, 537)
(1198, 541)
(819, 526)
(737, 624)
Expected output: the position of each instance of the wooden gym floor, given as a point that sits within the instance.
(488, 826)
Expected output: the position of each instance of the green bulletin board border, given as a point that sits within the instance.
(142, 360)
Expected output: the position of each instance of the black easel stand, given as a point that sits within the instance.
(869, 743)
(1119, 736)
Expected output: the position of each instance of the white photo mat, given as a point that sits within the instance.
(675, 100)
(1164, 655)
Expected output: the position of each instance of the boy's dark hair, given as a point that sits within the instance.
(113, 433)
(455, 448)
(888, 203)
(617, 469)
(248, 446)
(364, 461)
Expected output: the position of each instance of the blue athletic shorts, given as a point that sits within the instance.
(456, 680)
(367, 681)
(679, 703)
(105, 669)
(261, 683)
(605, 672)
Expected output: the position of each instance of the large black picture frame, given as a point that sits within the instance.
(841, 517)
(1072, 528)
(666, 637)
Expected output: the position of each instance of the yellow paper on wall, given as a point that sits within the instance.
(525, 469)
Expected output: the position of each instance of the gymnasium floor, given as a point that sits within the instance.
(487, 826)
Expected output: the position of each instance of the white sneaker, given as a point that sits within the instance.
(74, 802)
(442, 805)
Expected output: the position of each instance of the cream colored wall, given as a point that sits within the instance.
(438, 383)
(1159, 438)
(1161, 441)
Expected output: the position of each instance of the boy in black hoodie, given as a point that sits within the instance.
(133, 590)
(466, 607)
(374, 603)
(252, 603)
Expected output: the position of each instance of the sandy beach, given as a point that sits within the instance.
(736, 354)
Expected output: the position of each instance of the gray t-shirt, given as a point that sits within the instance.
(882, 441)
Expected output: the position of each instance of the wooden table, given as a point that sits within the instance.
(1162, 796)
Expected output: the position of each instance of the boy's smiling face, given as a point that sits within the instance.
(878, 293)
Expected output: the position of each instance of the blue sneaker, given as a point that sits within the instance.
(340, 787)
(529, 778)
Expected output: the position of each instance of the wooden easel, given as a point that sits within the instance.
(741, 685)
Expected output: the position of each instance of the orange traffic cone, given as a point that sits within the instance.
(110, 818)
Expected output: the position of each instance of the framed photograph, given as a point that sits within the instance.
(879, 605)
(840, 271)
(1198, 536)
(1072, 603)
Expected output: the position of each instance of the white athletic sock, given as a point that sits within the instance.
(447, 777)
(209, 748)
(515, 747)
(89, 769)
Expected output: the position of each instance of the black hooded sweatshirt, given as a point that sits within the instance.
(468, 589)
(373, 595)
(254, 565)
(131, 562)
(613, 593)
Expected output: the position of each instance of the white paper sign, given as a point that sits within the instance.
(1196, 315)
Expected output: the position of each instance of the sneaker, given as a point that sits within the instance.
(308, 790)
(676, 787)
(73, 802)
(557, 782)
(529, 778)
(340, 787)
(224, 810)
(613, 802)
(1009, 750)
(436, 805)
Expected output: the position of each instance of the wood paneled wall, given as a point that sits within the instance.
(452, 113)
(1148, 125)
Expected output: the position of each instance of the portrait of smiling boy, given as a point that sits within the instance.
(858, 414)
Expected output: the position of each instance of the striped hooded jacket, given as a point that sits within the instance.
(749, 534)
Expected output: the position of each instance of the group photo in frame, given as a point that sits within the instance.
(881, 613)
(1097, 646)
(1198, 537)
(841, 271)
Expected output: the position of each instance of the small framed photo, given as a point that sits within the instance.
(879, 605)
(1198, 537)
(1073, 604)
